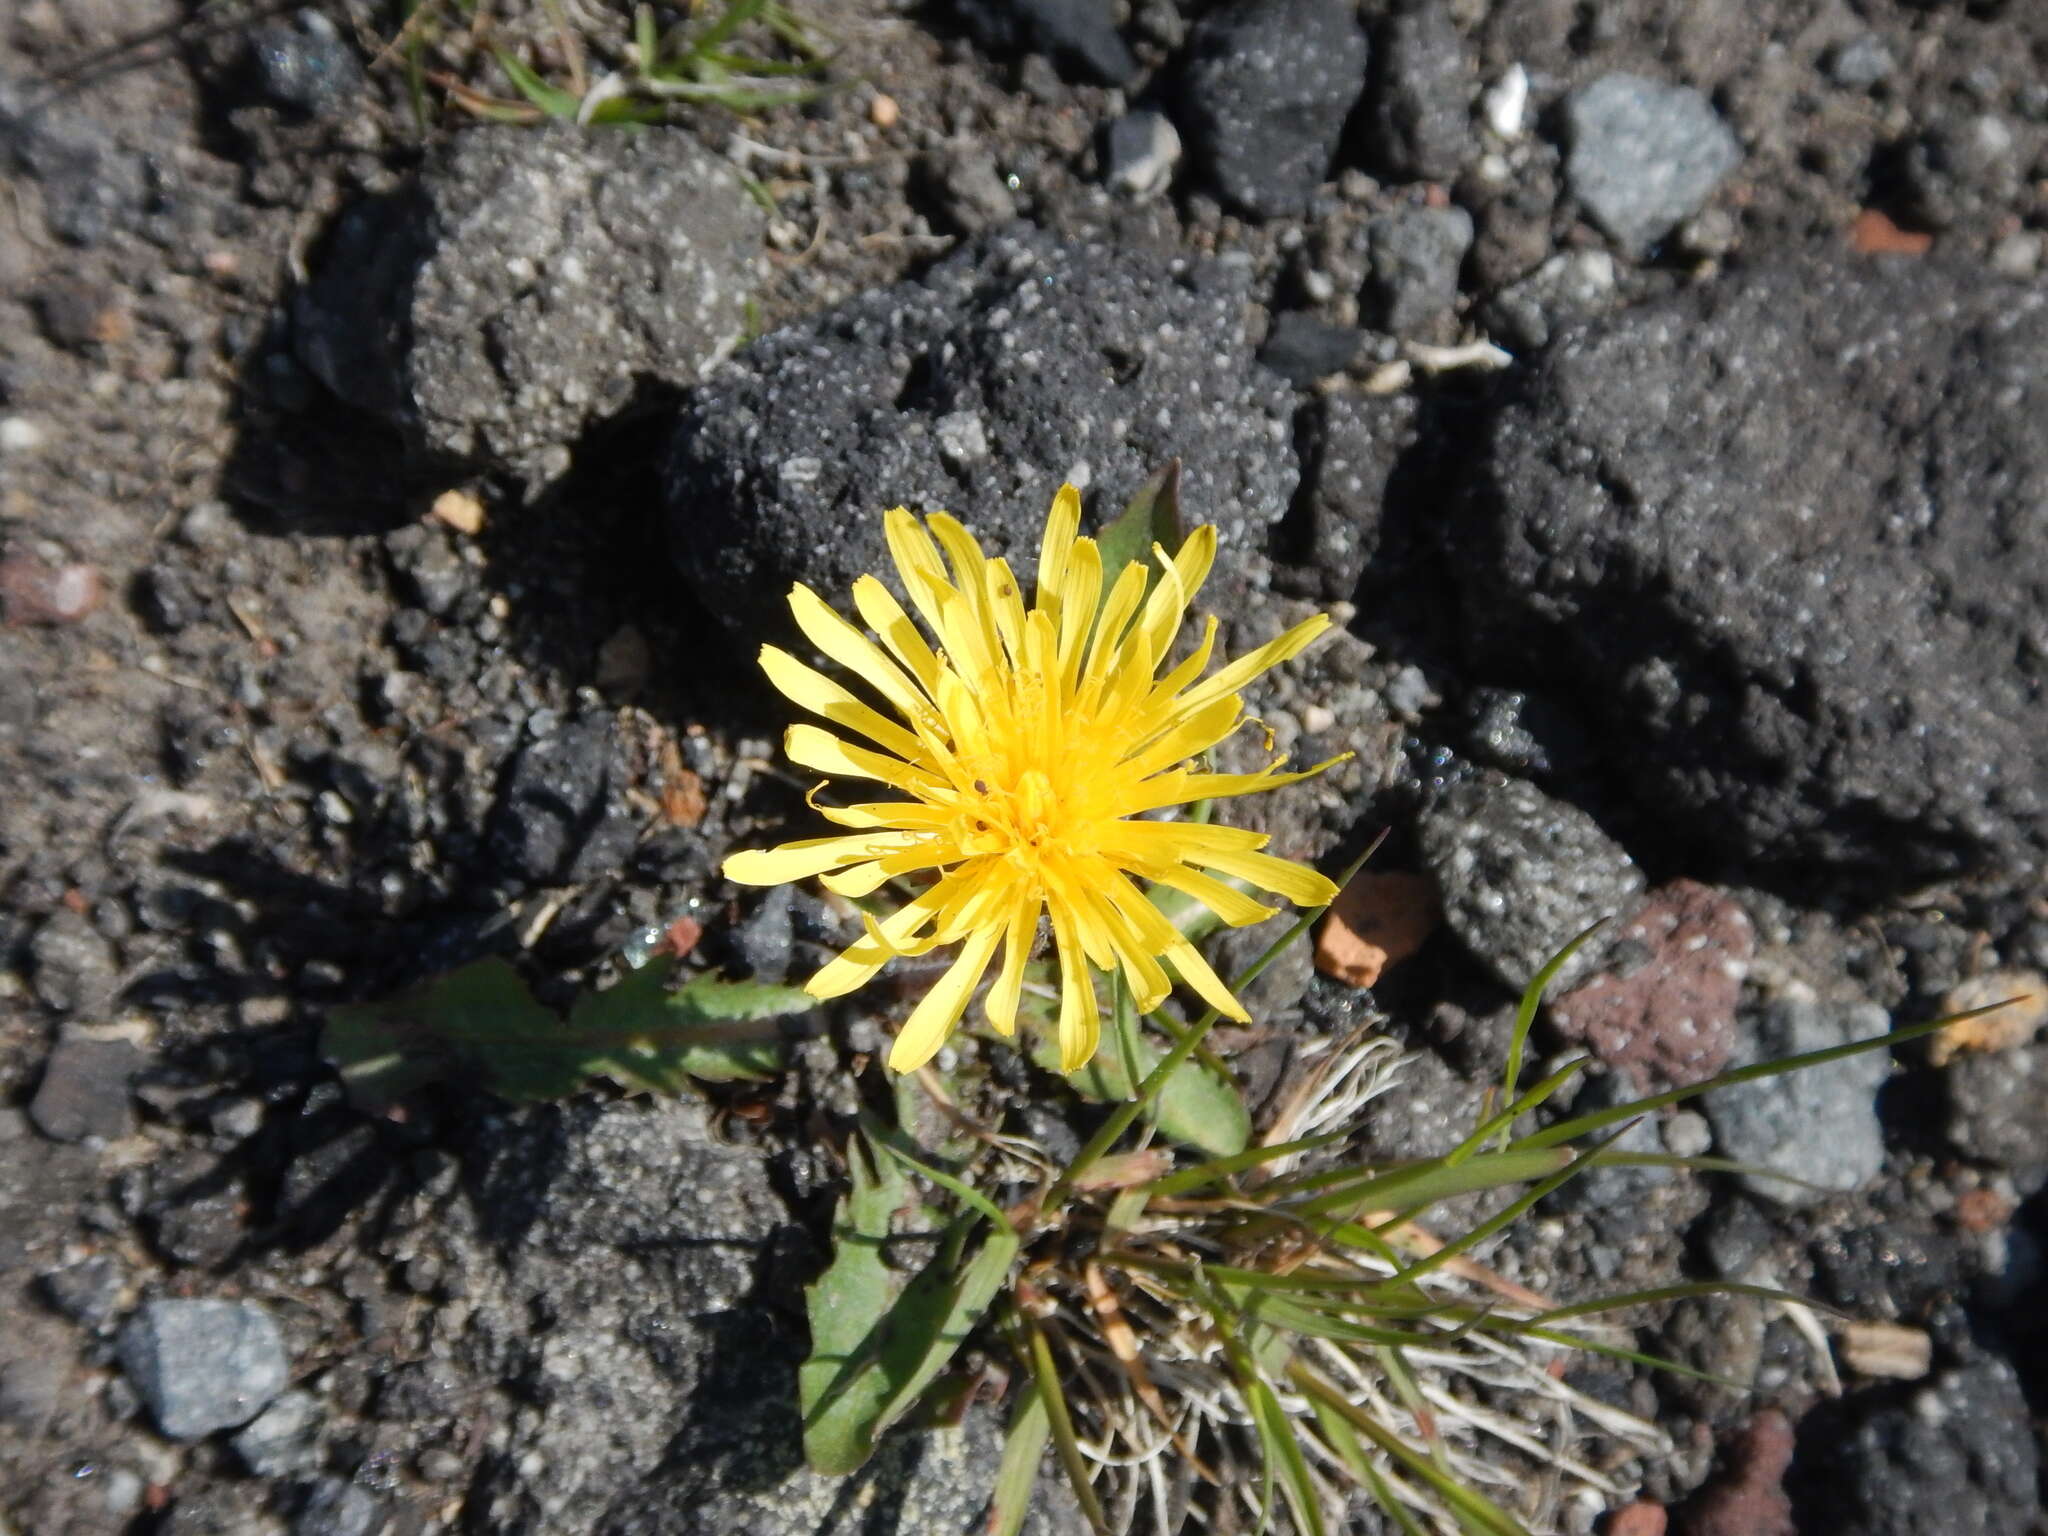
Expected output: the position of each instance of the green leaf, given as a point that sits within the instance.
(480, 1025)
(877, 1340)
(1150, 517)
(551, 99)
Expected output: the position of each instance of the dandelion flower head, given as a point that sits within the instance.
(1026, 747)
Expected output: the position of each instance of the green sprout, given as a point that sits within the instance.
(754, 55)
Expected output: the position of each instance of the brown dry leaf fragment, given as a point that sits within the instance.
(1378, 920)
(2027, 994)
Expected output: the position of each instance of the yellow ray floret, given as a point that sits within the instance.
(1025, 741)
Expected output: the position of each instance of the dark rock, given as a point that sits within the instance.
(1665, 1016)
(1521, 874)
(1354, 443)
(561, 815)
(1302, 348)
(203, 1365)
(1265, 88)
(1140, 150)
(527, 285)
(195, 1210)
(1421, 94)
(85, 1089)
(78, 314)
(1075, 362)
(1416, 254)
(280, 1441)
(1720, 515)
(971, 193)
(305, 64)
(75, 970)
(1644, 155)
(1567, 288)
(1077, 34)
(1997, 1103)
(1818, 1125)
(1955, 1456)
(88, 1292)
(1524, 733)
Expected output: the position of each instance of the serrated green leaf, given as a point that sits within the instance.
(1150, 517)
(480, 1025)
(867, 1369)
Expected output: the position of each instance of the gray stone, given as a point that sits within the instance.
(1421, 95)
(1572, 286)
(280, 1441)
(74, 968)
(1964, 169)
(203, 1365)
(337, 1507)
(1265, 88)
(1521, 874)
(88, 1292)
(1997, 1103)
(85, 1089)
(527, 284)
(1140, 150)
(1860, 63)
(1644, 155)
(1818, 1125)
(1354, 442)
(971, 192)
(1077, 362)
(1955, 1456)
(1416, 254)
(1735, 519)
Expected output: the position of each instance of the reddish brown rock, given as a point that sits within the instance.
(1663, 1010)
(1747, 1497)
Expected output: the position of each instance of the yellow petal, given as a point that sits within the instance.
(1079, 1028)
(820, 749)
(1248, 666)
(853, 966)
(1021, 932)
(917, 562)
(1227, 902)
(1192, 733)
(1061, 524)
(939, 1009)
(811, 856)
(1083, 590)
(1299, 884)
(1194, 970)
(856, 652)
(813, 690)
(1179, 787)
(880, 611)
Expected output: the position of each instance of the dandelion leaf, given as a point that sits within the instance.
(480, 1025)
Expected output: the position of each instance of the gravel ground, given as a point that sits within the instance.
(390, 508)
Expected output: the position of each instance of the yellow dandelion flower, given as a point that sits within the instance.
(1026, 746)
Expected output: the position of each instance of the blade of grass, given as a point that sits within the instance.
(1219, 1168)
(1032, 1348)
(1017, 1473)
(1579, 1125)
(1532, 999)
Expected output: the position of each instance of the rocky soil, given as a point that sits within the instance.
(391, 503)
